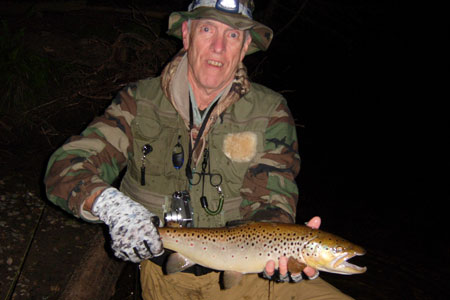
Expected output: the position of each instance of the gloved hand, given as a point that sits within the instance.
(134, 237)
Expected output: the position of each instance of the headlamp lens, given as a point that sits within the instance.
(231, 6)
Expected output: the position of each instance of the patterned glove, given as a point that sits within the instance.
(134, 237)
(277, 277)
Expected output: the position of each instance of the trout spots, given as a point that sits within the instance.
(244, 242)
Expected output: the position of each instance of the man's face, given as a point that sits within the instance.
(214, 52)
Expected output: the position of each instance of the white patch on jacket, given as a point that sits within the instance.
(240, 147)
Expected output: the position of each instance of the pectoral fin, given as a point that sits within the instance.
(177, 263)
(295, 266)
(230, 279)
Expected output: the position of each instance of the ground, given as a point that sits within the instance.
(103, 50)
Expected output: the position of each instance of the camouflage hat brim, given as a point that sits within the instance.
(261, 34)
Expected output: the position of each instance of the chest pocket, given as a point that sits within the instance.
(234, 149)
(157, 129)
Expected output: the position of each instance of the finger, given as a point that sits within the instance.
(314, 276)
(270, 268)
(297, 277)
(309, 271)
(155, 220)
(314, 223)
(283, 261)
(122, 255)
(148, 247)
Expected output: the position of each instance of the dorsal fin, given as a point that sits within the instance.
(173, 225)
(238, 223)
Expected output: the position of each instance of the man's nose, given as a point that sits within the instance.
(218, 44)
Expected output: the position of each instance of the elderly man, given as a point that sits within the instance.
(201, 113)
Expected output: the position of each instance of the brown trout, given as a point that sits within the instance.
(247, 248)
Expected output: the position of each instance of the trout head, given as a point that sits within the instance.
(330, 253)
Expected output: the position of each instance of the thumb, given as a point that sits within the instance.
(314, 223)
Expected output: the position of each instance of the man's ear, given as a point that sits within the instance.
(245, 46)
(185, 35)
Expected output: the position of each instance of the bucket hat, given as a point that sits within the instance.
(234, 13)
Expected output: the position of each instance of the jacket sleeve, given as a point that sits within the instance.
(269, 189)
(91, 161)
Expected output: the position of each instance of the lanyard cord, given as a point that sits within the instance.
(189, 162)
(203, 199)
(199, 135)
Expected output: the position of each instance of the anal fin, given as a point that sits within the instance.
(177, 263)
(295, 266)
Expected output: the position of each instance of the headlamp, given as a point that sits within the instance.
(229, 6)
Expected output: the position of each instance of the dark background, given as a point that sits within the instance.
(362, 77)
(364, 82)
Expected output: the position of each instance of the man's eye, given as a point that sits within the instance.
(234, 35)
(205, 29)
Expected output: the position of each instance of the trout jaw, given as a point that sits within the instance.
(340, 265)
(326, 254)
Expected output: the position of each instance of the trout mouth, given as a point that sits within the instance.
(341, 265)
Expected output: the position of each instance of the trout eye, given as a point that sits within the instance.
(338, 249)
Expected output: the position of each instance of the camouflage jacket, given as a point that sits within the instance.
(93, 160)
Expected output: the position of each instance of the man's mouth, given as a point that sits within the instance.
(215, 63)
